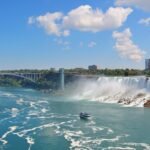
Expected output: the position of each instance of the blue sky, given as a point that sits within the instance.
(83, 32)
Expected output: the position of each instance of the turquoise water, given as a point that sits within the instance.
(32, 120)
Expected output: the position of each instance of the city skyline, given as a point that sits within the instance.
(45, 34)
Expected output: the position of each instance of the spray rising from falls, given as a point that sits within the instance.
(130, 91)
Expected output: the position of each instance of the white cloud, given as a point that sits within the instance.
(62, 42)
(66, 32)
(65, 45)
(143, 4)
(50, 22)
(83, 18)
(31, 20)
(91, 44)
(126, 47)
(145, 21)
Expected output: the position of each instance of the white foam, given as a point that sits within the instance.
(14, 112)
(20, 101)
(119, 148)
(96, 129)
(30, 141)
(8, 95)
(46, 102)
(91, 122)
(33, 105)
(25, 131)
(11, 130)
(144, 145)
(110, 130)
(68, 135)
(44, 110)
(112, 140)
(79, 140)
(33, 113)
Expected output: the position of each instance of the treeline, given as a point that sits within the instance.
(109, 72)
(43, 71)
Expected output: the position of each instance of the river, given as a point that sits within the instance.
(32, 120)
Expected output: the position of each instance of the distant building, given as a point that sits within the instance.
(147, 64)
(92, 67)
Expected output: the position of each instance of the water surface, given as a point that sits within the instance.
(32, 120)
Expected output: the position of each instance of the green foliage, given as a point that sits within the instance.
(107, 72)
(147, 73)
(9, 82)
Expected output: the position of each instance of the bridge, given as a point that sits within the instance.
(33, 77)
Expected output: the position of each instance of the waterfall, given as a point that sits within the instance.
(130, 91)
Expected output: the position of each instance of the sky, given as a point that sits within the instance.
(41, 34)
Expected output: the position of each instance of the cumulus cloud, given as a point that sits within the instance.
(92, 44)
(83, 18)
(143, 4)
(145, 21)
(125, 46)
(50, 22)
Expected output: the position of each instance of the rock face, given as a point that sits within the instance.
(147, 104)
(140, 95)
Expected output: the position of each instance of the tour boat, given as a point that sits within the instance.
(84, 115)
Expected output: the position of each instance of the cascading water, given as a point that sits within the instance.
(131, 91)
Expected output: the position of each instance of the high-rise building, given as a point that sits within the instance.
(93, 67)
(147, 64)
